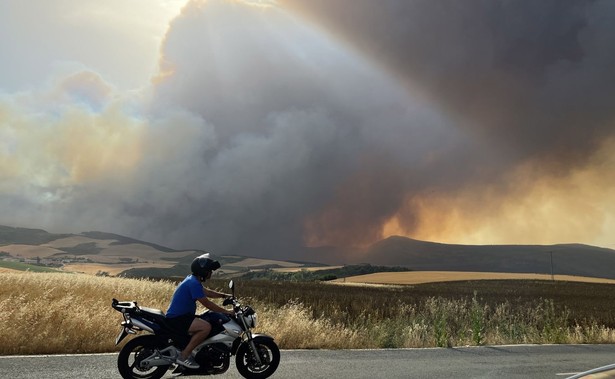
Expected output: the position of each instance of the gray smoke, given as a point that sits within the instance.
(534, 77)
(318, 122)
(295, 115)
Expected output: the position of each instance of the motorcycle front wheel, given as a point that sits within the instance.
(247, 365)
(131, 355)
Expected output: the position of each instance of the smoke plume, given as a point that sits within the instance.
(271, 127)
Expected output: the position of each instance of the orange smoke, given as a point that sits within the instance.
(353, 218)
(528, 206)
(531, 207)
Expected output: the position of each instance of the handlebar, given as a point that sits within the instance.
(229, 301)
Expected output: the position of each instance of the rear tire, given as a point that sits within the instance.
(132, 353)
(269, 354)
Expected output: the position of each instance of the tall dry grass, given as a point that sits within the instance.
(71, 313)
(42, 313)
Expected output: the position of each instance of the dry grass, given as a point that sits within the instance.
(109, 252)
(141, 252)
(67, 313)
(418, 277)
(255, 262)
(71, 313)
(78, 240)
(294, 327)
(111, 269)
(297, 269)
(30, 251)
(47, 313)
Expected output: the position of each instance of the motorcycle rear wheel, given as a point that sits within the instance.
(132, 353)
(269, 354)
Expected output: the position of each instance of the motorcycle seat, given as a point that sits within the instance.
(157, 313)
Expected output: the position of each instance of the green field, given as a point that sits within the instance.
(25, 267)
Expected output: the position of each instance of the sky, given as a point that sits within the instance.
(257, 127)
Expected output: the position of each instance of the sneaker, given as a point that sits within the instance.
(188, 362)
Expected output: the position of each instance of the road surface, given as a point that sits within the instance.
(519, 361)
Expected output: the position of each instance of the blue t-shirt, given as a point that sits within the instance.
(185, 296)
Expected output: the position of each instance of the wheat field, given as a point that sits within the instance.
(53, 313)
(44, 313)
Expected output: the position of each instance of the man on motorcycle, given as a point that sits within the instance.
(181, 312)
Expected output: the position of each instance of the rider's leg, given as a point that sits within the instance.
(200, 330)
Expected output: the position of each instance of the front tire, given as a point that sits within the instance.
(269, 354)
(131, 355)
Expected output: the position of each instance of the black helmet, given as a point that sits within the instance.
(202, 265)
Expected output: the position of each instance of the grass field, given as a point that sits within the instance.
(105, 255)
(418, 277)
(255, 262)
(44, 313)
(297, 269)
(111, 269)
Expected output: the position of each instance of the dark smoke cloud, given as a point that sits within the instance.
(264, 132)
(518, 81)
(532, 80)
(299, 121)
(532, 75)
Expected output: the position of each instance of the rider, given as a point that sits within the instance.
(181, 312)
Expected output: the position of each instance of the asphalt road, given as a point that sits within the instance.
(533, 361)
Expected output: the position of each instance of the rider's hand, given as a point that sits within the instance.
(228, 300)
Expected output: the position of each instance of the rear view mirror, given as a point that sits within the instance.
(231, 285)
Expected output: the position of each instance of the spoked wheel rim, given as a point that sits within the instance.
(133, 354)
(265, 354)
(138, 354)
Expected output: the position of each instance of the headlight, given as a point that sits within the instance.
(252, 321)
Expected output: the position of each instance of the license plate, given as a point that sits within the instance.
(121, 336)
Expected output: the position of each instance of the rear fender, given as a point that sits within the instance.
(144, 325)
(132, 325)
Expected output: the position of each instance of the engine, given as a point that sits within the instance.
(214, 358)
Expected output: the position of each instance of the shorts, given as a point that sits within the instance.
(180, 324)
(217, 320)
(214, 318)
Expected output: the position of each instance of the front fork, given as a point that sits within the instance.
(252, 345)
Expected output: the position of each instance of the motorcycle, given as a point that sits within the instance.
(150, 356)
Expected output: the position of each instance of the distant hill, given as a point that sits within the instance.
(11, 235)
(568, 259)
(95, 252)
(90, 252)
(122, 240)
(103, 253)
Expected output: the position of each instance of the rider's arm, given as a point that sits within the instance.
(213, 306)
(215, 294)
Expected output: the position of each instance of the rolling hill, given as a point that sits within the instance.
(99, 252)
(568, 259)
(112, 254)
(90, 252)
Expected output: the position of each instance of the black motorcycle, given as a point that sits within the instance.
(151, 355)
